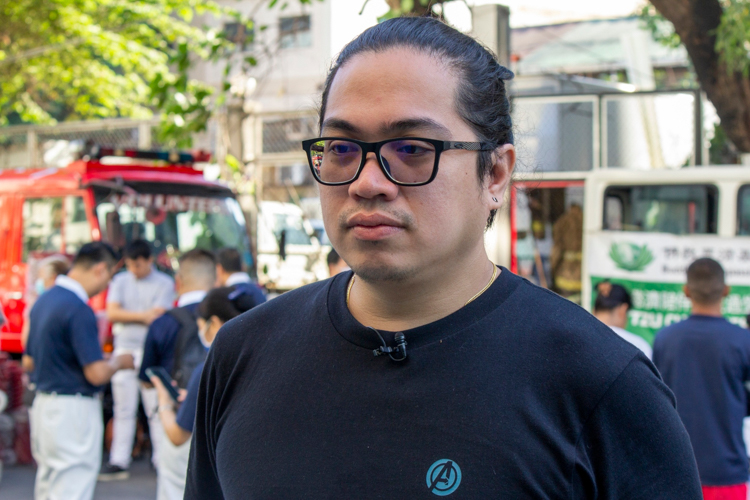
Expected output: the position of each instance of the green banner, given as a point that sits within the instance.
(656, 305)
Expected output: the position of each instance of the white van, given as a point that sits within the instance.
(289, 255)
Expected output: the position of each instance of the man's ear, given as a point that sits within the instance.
(686, 291)
(499, 177)
(726, 291)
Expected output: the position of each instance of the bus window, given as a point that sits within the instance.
(675, 209)
(743, 211)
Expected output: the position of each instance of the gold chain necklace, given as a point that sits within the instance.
(492, 280)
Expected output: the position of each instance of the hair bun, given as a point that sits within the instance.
(505, 73)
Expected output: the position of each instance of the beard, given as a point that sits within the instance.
(381, 273)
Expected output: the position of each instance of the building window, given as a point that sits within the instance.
(240, 34)
(295, 32)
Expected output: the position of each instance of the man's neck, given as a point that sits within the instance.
(707, 309)
(80, 277)
(398, 306)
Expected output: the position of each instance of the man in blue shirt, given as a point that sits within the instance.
(705, 360)
(229, 273)
(196, 275)
(66, 417)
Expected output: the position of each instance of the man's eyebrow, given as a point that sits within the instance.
(342, 125)
(400, 126)
(389, 129)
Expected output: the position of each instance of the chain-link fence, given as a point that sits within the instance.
(58, 145)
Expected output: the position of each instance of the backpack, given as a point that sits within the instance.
(189, 351)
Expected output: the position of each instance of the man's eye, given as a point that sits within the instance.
(342, 149)
(411, 149)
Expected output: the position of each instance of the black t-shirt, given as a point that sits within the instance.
(520, 394)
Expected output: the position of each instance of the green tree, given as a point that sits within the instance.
(87, 59)
(716, 35)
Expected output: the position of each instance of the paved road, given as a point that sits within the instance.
(18, 484)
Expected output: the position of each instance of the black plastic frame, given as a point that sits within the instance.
(375, 147)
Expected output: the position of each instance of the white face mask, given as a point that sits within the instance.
(39, 286)
(202, 334)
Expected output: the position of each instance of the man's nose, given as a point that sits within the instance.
(372, 182)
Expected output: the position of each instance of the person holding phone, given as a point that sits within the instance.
(177, 416)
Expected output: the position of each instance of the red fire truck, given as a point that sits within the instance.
(114, 196)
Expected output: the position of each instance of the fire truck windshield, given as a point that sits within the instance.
(174, 220)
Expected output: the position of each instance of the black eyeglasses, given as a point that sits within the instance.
(406, 161)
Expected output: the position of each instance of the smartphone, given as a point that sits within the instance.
(166, 380)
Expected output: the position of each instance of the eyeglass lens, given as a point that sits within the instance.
(407, 161)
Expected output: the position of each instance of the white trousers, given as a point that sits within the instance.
(172, 471)
(66, 441)
(126, 388)
(150, 403)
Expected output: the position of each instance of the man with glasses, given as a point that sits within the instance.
(427, 370)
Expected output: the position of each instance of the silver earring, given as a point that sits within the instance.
(494, 199)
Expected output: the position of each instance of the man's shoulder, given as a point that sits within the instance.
(161, 278)
(122, 278)
(163, 325)
(573, 340)
(59, 297)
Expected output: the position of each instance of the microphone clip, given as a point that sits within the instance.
(397, 353)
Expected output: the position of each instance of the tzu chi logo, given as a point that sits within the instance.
(444, 477)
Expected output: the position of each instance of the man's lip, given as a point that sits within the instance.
(371, 220)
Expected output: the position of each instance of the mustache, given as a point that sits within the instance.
(405, 219)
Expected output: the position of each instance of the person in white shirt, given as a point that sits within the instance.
(611, 308)
(135, 299)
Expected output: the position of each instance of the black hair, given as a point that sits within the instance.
(705, 280)
(333, 257)
(610, 296)
(225, 303)
(229, 259)
(197, 255)
(95, 252)
(137, 249)
(481, 99)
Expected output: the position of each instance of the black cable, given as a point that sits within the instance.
(384, 349)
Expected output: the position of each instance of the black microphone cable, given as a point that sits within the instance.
(399, 350)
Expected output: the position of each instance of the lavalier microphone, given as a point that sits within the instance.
(397, 353)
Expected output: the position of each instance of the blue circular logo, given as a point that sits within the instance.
(443, 477)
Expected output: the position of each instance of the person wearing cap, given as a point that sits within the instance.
(611, 307)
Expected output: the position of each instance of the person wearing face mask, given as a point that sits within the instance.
(48, 270)
(219, 306)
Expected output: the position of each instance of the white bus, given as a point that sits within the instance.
(640, 229)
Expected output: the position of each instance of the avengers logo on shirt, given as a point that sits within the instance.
(443, 477)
